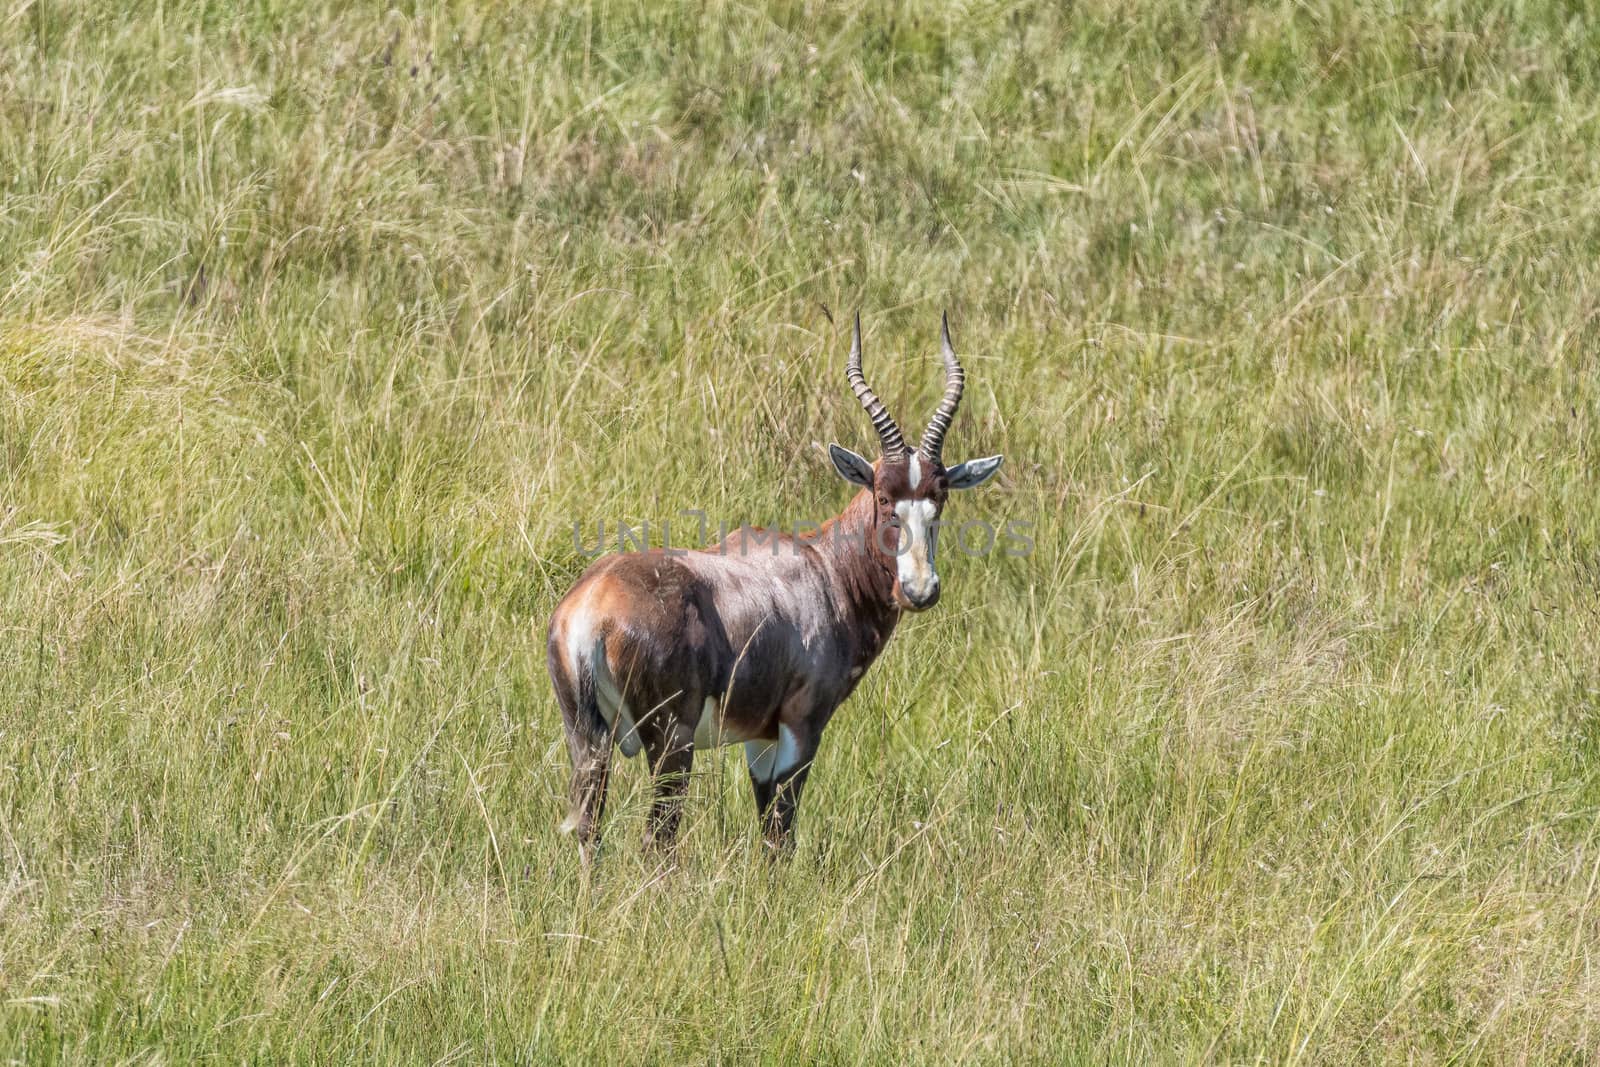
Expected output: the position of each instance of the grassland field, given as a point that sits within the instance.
(321, 325)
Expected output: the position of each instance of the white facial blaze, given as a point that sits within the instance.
(914, 562)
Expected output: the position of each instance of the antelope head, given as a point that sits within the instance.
(910, 486)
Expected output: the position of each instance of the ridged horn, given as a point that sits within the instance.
(888, 432)
(955, 380)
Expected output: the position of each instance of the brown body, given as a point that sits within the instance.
(757, 640)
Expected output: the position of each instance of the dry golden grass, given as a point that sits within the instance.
(320, 331)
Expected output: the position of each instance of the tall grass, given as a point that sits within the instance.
(321, 328)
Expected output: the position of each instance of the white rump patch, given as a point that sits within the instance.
(580, 639)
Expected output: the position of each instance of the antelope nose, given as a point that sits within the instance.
(926, 597)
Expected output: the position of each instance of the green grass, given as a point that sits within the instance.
(319, 331)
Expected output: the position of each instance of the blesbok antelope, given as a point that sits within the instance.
(753, 640)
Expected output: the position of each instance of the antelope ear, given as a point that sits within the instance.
(973, 472)
(851, 467)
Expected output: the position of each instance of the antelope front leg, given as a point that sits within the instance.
(778, 771)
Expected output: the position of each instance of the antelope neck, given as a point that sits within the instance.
(863, 572)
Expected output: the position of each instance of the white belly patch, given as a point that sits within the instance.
(711, 731)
